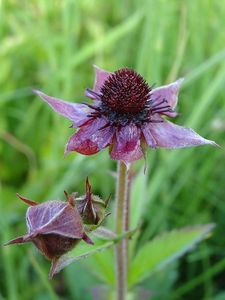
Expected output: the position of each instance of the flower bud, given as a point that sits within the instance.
(91, 208)
(54, 227)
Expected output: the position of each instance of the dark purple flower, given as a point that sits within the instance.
(126, 114)
(54, 227)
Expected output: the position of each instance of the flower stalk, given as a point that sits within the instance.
(121, 249)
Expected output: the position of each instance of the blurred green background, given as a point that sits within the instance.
(51, 45)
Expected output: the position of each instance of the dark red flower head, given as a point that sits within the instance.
(126, 115)
(125, 92)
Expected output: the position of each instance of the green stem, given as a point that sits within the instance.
(121, 249)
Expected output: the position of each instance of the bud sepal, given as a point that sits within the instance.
(92, 208)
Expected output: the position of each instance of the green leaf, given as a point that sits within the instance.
(100, 264)
(164, 249)
(138, 198)
(83, 250)
(104, 233)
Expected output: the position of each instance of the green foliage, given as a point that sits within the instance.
(163, 250)
(83, 250)
(138, 198)
(51, 45)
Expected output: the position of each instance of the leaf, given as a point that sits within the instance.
(84, 250)
(138, 198)
(100, 264)
(104, 233)
(164, 249)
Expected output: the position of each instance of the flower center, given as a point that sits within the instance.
(126, 98)
(125, 91)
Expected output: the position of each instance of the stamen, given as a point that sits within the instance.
(94, 114)
(160, 107)
(162, 111)
(93, 93)
(105, 126)
(88, 121)
(151, 101)
(92, 106)
(158, 104)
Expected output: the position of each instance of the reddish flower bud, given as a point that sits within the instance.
(55, 227)
(91, 208)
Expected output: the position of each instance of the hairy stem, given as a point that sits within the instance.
(122, 217)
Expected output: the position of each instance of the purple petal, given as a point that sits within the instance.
(91, 138)
(146, 130)
(92, 95)
(169, 135)
(72, 111)
(100, 77)
(127, 146)
(168, 92)
(54, 217)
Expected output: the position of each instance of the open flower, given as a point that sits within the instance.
(126, 114)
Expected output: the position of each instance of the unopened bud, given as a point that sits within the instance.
(91, 208)
(54, 227)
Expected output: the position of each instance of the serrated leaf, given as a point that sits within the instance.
(101, 265)
(164, 249)
(84, 250)
(101, 262)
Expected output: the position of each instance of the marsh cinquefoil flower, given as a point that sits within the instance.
(126, 114)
